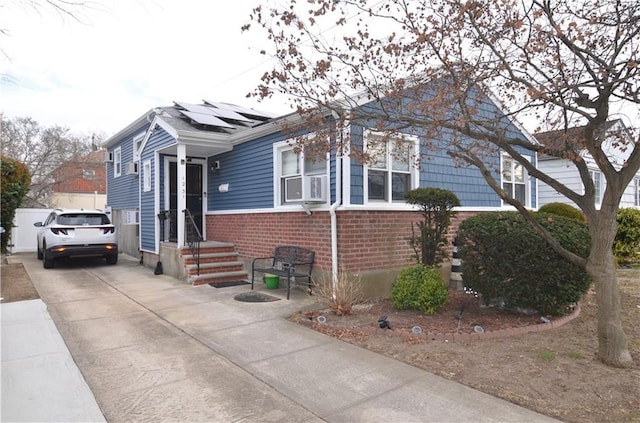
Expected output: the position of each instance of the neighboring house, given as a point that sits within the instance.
(80, 183)
(566, 172)
(246, 186)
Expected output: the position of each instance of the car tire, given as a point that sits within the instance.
(113, 259)
(39, 254)
(47, 262)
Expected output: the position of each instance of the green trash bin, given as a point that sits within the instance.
(272, 281)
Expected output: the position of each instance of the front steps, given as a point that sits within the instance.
(218, 263)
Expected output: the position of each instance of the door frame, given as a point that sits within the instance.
(203, 166)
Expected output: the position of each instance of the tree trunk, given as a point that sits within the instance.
(612, 342)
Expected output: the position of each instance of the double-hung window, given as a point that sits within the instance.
(390, 174)
(299, 178)
(514, 179)
(636, 192)
(117, 162)
(596, 177)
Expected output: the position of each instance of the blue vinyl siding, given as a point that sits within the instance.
(148, 213)
(248, 169)
(122, 192)
(438, 170)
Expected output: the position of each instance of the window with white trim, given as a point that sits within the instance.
(514, 179)
(146, 175)
(299, 178)
(596, 177)
(636, 192)
(117, 162)
(389, 171)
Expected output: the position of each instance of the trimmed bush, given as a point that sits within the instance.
(504, 258)
(419, 288)
(436, 206)
(562, 209)
(626, 246)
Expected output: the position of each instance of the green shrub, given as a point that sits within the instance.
(15, 182)
(504, 258)
(562, 209)
(419, 288)
(626, 246)
(436, 206)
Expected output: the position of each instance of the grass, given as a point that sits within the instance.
(547, 356)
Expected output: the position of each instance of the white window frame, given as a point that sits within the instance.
(412, 171)
(512, 181)
(636, 192)
(146, 176)
(117, 162)
(598, 185)
(279, 199)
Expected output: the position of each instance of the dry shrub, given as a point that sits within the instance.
(343, 296)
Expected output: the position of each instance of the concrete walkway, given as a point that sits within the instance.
(152, 348)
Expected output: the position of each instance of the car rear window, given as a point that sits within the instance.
(83, 219)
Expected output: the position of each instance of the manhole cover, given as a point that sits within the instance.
(255, 297)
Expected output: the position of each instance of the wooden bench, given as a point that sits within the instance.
(288, 261)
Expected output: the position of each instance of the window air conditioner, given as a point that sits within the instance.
(132, 168)
(108, 157)
(293, 189)
(315, 188)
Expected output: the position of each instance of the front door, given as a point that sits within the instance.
(194, 195)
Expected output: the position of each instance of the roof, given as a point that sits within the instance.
(556, 140)
(215, 120)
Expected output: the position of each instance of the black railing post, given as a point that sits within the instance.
(193, 237)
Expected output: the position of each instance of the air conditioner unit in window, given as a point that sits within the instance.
(293, 189)
(131, 169)
(108, 157)
(315, 188)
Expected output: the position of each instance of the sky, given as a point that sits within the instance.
(126, 57)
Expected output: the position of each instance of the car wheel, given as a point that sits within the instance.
(39, 253)
(113, 259)
(47, 262)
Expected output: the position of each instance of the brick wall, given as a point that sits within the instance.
(367, 240)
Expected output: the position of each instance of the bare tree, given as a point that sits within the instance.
(433, 63)
(42, 150)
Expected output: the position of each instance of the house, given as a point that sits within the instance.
(80, 183)
(564, 171)
(234, 174)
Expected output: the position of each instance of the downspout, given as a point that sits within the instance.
(334, 220)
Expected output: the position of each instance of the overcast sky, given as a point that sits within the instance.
(124, 58)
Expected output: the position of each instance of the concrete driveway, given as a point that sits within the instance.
(152, 348)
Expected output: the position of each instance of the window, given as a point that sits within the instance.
(299, 178)
(117, 162)
(389, 172)
(88, 174)
(514, 179)
(146, 175)
(596, 177)
(636, 192)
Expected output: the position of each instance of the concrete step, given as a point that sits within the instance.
(218, 277)
(220, 267)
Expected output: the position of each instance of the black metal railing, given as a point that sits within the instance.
(193, 237)
(168, 225)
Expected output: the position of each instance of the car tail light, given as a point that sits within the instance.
(59, 231)
(109, 229)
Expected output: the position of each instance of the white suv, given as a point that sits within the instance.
(76, 233)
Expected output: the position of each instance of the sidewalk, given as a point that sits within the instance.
(154, 349)
(40, 380)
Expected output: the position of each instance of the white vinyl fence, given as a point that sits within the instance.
(23, 233)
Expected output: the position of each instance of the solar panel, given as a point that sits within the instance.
(243, 110)
(195, 108)
(206, 119)
(229, 114)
